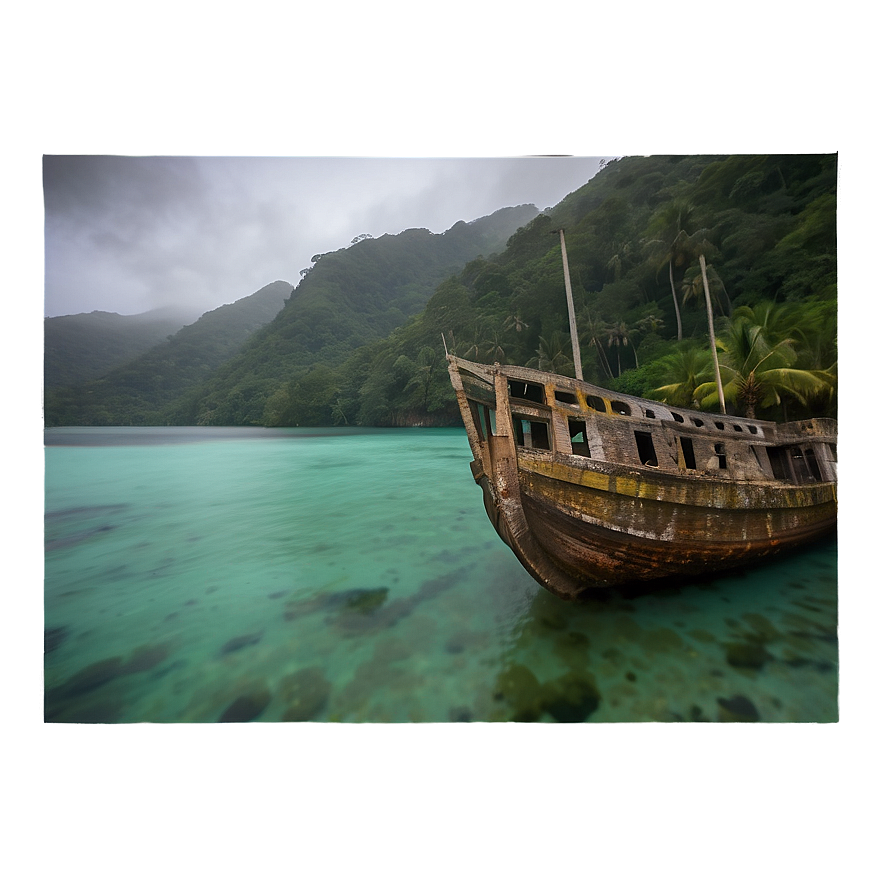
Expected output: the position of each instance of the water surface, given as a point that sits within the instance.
(212, 574)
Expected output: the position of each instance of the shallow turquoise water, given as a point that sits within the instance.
(197, 574)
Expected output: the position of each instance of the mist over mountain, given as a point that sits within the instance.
(82, 347)
(131, 392)
(349, 298)
(359, 340)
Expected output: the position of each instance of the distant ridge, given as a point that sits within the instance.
(132, 392)
(82, 347)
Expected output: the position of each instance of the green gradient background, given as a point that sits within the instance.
(429, 809)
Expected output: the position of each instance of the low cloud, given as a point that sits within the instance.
(129, 234)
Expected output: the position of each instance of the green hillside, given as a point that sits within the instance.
(766, 226)
(349, 298)
(82, 347)
(134, 392)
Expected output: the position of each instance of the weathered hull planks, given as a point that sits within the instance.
(580, 522)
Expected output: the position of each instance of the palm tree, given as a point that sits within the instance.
(670, 247)
(685, 371)
(515, 322)
(759, 368)
(593, 330)
(619, 335)
(693, 288)
(552, 355)
(491, 347)
(651, 322)
(622, 252)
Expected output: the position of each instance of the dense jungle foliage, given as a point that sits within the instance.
(766, 228)
(359, 341)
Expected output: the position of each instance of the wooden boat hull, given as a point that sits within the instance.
(578, 523)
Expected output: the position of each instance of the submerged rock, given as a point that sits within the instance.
(145, 658)
(89, 678)
(305, 693)
(572, 697)
(247, 707)
(363, 600)
(242, 641)
(53, 637)
(520, 689)
(746, 655)
(572, 648)
(737, 709)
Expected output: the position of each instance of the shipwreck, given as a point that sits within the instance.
(592, 488)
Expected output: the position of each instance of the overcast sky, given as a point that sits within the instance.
(129, 234)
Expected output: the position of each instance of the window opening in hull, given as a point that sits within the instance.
(812, 461)
(566, 397)
(649, 413)
(720, 454)
(779, 463)
(578, 436)
(597, 404)
(620, 407)
(677, 417)
(481, 420)
(687, 452)
(528, 391)
(531, 433)
(802, 469)
(646, 451)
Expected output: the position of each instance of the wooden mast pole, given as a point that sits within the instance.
(712, 333)
(573, 332)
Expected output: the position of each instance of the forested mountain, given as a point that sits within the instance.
(359, 340)
(766, 227)
(349, 298)
(133, 393)
(82, 347)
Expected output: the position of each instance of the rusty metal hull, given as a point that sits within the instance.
(582, 522)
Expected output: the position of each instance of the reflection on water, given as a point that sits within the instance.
(300, 575)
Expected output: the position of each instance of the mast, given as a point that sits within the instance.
(712, 333)
(573, 332)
